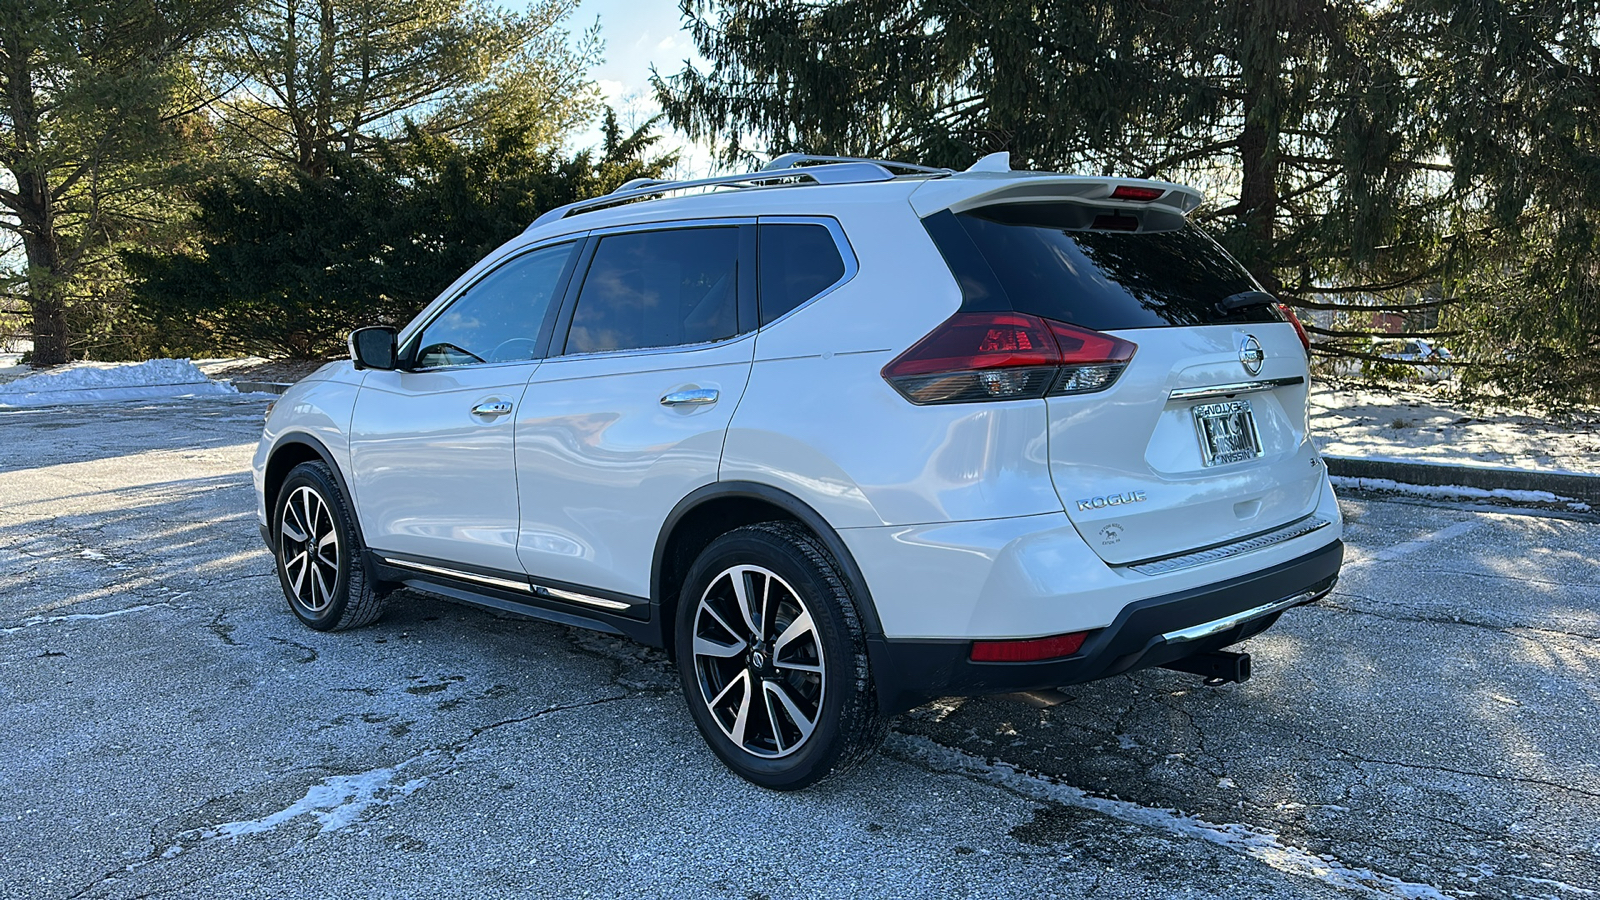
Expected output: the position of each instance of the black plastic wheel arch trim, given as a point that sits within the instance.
(311, 442)
(790, 504)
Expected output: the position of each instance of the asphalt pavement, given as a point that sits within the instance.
(168, 729)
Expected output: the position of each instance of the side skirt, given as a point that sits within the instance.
(559, 602)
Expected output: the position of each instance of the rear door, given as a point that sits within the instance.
(1203, 439)
(650, 359)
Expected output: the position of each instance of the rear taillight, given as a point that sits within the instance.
(1288, 314)
(974, 357)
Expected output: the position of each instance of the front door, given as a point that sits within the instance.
(432, 445)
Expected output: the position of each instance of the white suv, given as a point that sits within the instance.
(842, 435)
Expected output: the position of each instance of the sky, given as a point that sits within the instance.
(639, 33)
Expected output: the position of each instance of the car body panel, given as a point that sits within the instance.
(431, 478)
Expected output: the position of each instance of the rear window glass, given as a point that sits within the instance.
(797, 262)
(1093, 267)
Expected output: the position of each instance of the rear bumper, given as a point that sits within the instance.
(1144, 634)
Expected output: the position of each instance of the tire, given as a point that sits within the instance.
(781, 690)
(318, 553)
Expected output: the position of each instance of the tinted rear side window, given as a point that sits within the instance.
(1087, 266)
(658, 289)
(797, 262)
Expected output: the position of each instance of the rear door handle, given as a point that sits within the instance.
(686, 398)
(498, 408)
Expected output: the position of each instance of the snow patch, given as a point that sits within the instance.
(1250, 841)
(101, 382)
(1449, 491)
(80, 617)
(334, 802)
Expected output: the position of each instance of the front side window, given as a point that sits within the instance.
(658, 289)
(500, 317)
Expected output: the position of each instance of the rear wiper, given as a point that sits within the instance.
(1236, 302)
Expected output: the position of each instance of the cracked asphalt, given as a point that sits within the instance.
(168, 729)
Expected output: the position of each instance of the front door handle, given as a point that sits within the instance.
(686, 398)
(498, 408)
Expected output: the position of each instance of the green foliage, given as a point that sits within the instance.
(288, 267)
(302, 82)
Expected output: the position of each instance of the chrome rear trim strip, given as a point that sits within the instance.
(576, 597)
(1212, 554)
(1207, 629)
(1228, 390)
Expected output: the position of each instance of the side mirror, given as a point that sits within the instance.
(374, 347)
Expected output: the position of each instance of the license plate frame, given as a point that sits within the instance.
(1227, 432)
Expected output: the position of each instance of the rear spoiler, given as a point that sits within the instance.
(969, 190)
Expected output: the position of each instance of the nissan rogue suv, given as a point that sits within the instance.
(842, 436)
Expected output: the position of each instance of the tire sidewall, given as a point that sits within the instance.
(822, 751)
(315, 476)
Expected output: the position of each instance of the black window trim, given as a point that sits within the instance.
(408, 344)
(841, 242)
(748, 317)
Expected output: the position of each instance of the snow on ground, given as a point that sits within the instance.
(80, 383)
(1424, 426)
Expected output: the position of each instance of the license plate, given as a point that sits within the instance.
(1227, 432)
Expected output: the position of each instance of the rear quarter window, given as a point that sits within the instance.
(797, 262)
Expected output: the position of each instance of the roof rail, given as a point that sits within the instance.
(846, 172)
(794, 160)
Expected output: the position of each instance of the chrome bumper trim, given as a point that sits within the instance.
(1207, 629)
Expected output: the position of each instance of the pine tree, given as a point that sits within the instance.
(87, 123)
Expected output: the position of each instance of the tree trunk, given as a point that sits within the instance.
(36, 214)
(1260, 61)
(45, 275)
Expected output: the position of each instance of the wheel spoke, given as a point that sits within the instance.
(767, 610)
(772, 717)
(331, 538)
(303, 559)
(327, 589)
(741, 593)
(801, 625)
(706, 608)
(291, 528)
(802, 723)
(704, 646)
(798, 666)
(307, 518)
(742, 677)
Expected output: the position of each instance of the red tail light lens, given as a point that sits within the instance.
(975, 357)
(1288, 314)
(1142, 194)
(1032, 650)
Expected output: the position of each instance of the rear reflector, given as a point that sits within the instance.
(1142, 194)
(975, 357)
(1031, 650)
